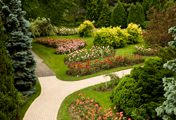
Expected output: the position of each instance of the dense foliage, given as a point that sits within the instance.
(19, 45)
(167, 109)
(9, 99)
(157, 30)
(141, 92)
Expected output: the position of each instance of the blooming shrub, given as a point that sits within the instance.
(86, 29)
(67, 31)
(90, 54)
(42, 27)
(141, 50)
(135, 33)
(63, 46)
(114, 37)
(90, 67)
(88, 109)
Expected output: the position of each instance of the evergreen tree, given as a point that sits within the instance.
(146, 5)
(136, 14)
(92, 12)
(119, 15)
(168, 109)
(104, 18)
(19, 45)
(9, 100)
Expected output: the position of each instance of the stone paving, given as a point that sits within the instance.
(54, 91)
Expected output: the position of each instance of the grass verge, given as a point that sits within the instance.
(29, 100)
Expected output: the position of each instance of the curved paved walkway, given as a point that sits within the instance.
(54, 91)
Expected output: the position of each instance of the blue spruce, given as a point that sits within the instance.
(19, 45)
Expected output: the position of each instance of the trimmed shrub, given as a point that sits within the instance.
(119, 16)
(136, 14)
(86, 29)
(141, 92)
(114, 37)
(42, 27)
(135, 33)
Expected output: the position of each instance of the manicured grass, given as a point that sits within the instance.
(103, 98)
(56, 62)
(28, 101)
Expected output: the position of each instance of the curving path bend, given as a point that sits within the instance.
(54, 91)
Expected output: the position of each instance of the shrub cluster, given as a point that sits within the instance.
(90, 54)
(63, 46)
(86, 29)
(90, 67)
(141, 50)
(142, 91)
(117, 37)
(42, 27)
(114, 37)
(88, 109)
(67, 31)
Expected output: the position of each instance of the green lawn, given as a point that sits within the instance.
(103, 98)
(56, 62)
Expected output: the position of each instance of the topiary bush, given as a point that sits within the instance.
(135, 33)
(86, 29)
(42, 27)
(141, 92)
(114, 37)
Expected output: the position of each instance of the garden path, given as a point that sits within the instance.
(54, 91)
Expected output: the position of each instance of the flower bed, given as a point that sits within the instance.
(87, 109)
(141, 50)
(63, 46)
(67, 31)
(90, 54)
(93, 66)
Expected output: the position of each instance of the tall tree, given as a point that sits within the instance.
(104, 18)
(136, 14)
(19, 45)
(9, 99)
(119, 15)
